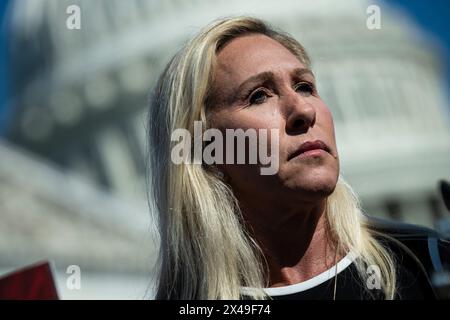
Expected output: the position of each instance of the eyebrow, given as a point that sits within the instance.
(268, 76)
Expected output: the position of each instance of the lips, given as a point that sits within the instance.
(307, 146)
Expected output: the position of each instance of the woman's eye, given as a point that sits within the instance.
(258, 97)
(305, 88)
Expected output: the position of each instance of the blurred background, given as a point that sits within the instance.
(73, 106)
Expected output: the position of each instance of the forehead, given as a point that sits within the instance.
(249, 55)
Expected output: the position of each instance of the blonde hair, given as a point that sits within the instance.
(205, 251)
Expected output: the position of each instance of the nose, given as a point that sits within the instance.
(300, 114)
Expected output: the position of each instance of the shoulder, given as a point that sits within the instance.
(424, 242)
(400, 229)
(414, 247)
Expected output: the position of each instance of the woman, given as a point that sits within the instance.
(228, 231)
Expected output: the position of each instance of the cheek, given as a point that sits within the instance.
(253, 118)
(250, 118)
(327, 119)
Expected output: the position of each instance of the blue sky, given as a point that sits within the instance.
(434, 17)
(3, 68)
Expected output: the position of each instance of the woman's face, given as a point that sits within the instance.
(260, 84)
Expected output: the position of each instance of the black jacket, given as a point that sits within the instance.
(422, 254)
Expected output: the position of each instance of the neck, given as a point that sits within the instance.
(294, 241)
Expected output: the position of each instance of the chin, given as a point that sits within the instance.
(313, 184)
(320, 188)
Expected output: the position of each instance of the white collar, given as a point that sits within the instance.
(310, 283)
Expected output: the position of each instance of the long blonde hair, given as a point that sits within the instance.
(205, 251)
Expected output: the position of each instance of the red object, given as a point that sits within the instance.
(31, 283)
